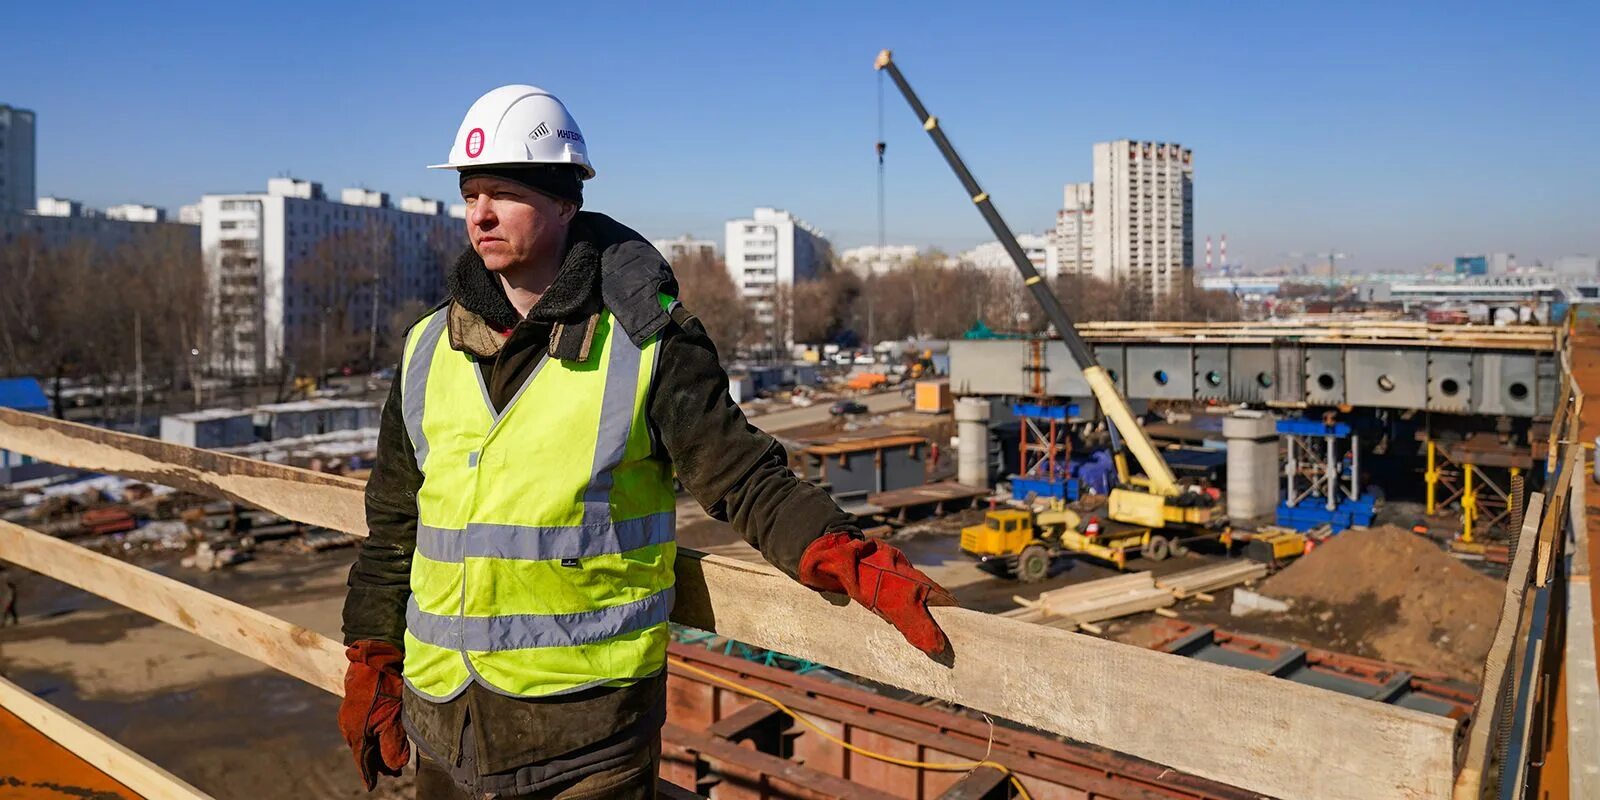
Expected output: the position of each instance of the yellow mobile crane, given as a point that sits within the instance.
(1153, 501)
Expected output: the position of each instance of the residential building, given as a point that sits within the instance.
(291, 269)
(1144, 218)
(875, 260)
(1039, 248)
(62, 207)
(769, 249)
(189, 214)
(58, 223)
(135, 212)
(1074, 242)
(685, 246)
(17, 159)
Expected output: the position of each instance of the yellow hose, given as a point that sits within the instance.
(965, 766)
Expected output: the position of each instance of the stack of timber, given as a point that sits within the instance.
(1080, 606)
(1083, 605)
(1192, 582)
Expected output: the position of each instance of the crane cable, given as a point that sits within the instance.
(882, 146)
(960, 766)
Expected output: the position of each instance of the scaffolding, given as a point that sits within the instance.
(1489, 486)
(1322, 479)
(1044, 452)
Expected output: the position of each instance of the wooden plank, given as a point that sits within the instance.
(1475, 758)
(103, 753)
(1104, 608)
(298, 651)
(299, 494)
(1104, 587)
(1206, 579)
(1239, 727)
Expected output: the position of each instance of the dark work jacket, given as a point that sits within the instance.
(736, 472)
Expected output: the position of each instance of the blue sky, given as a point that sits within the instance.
(1401, 133)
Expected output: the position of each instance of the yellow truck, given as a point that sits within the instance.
(1026, 542)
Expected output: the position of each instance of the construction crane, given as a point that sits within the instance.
(1154, 500)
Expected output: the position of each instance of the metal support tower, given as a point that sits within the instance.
(1490, 495)
(1044, 452)
(1314, 469)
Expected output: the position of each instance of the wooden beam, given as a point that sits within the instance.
(311, 497)
(1239, 727)
(102, 752)
(298, 651)
(1475, 758)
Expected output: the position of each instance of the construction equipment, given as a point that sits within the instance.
(1275, 546)
(1025, 541)
(1152, 500)
(1022, 540)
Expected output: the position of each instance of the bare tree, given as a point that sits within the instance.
(346, 284)
(709, 291)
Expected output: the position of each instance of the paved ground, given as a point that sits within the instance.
(811, 415)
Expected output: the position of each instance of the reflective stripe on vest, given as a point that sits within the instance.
(545, 537)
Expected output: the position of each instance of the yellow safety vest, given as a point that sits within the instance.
(545, 532)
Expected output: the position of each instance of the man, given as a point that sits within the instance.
(511, 602)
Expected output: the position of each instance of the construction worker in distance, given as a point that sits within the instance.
(511, 601)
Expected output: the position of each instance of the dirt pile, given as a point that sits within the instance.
(1407, 600)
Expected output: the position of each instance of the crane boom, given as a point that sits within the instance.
(1111, 402)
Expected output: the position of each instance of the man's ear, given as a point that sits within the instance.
(569, 210)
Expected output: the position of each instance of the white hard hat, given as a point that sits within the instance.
(518, 124)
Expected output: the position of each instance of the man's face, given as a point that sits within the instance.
(511, 225)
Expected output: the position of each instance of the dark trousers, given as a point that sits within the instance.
(11, 614)
(634, 779)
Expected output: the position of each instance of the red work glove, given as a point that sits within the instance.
(879, 577)
(369, 717)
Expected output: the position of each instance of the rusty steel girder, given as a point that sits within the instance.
(726, 745)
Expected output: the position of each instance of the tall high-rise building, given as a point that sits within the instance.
(769, 249)
(291, 270)
(1074, 240)
(16, 159)
(1144, 218)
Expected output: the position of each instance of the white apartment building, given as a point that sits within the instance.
(62, 207)
(269, 258)
(17, 160)
(189, 214)
(1038, 247)
(57, 222)
(773, 248)
(1144, 217)
(685, 246)
(1074, 242)
(136, 212)
(875, 260)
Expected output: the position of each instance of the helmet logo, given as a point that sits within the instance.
(540, 132)
(474, 143)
